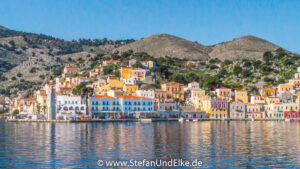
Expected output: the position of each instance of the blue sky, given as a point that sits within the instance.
(208, 21)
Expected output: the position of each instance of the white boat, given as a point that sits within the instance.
(187, 120)
(181, 119)
(253, 119)
(195, 119)
(287, 120)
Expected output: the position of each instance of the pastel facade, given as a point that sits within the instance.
(223, 92)
(107, 62)
(70, 71)
(270, 100)
(145, 93)
(139, 106)
(126, 72)
(268, 91)
(130, 89)
(160, 94)
(256, 99)
(241, 95)
(275, 111)
(105, 106)
(237, 110)
(139, 74)
(130, 81)
(167, 109)
(196, 97)
(216, 108)
(70, 105)
(193, 85)
(282, 88)
(254, 111)
(174, 90)
(131, 62)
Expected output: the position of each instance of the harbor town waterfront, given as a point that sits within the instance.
(149, 84)
(217, 144)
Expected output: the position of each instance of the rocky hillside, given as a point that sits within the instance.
(162, 45)
(243, 47)
(27, 59)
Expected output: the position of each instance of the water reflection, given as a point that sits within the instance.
(217, 143)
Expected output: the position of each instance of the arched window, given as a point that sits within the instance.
(71, 108)
(82, 108)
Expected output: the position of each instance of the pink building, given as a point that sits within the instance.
(139, 74)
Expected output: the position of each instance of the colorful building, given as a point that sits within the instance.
(216, 108)
(137, 106)
(254, 111)
(126, 72)
(270, 100)
(284, 88)
(107, 62)
(102, 106)
(139, 74)
(237, 110)
(224, 92)
(274, 111)
(241, 95)
(174, 90)
(196, 97)
(268, 91)
(129, 89)
(193, 85)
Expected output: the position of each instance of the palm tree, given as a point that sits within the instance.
(38, 107)
(44, 109)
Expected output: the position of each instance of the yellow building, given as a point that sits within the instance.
(268, 91)
(126, 72)
(151, 64)
(254, 111)
(241, 95)
(196, 97)
(215, 108)
(115, 83)
(284, 88)
(130, 88)
(291, 107)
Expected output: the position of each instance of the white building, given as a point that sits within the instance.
(167, 109)
(145, 93)
(193, 85)
(70, 105)
(130, 81)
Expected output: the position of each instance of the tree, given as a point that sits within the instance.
(15, 112)
(267, 56)
(38, 107)
(19, 75)
(44, 108)
(237, 70)
(108, 69)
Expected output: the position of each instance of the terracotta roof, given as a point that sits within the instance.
(103, 96)
(240, 90)
(132, 97)
(72, 68)
(224, 88)
(130, 85)
(28, 98)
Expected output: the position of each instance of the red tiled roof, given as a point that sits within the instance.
(132, 97)
(72, 67)
(102, 96)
